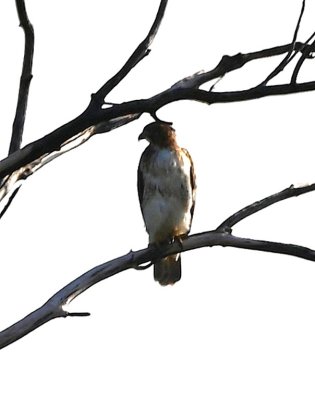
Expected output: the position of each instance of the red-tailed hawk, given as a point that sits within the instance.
(166, 189)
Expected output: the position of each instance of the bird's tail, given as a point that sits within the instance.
(168, 270)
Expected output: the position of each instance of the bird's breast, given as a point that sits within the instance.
(167, 196)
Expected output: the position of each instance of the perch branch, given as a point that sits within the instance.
(54, 307)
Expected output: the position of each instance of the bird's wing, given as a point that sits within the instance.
(192, 181)
(144, 160)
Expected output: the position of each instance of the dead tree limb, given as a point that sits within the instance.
(261, 204)
(21, 161)
(221, 236)
(25, 81)
(288, 57)
(76, 130)
(24, 162)
(26, 77)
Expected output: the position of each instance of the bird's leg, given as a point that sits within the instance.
(159, 246)
(179, 240)
(154, 246)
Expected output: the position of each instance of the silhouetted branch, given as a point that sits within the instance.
(288, 57)
(261, 204)
(5, 208)
(53, 141)
(36, 152)
(25, 81)
(305, 54)
(141, 51)
(54, 307)
(18, 124)
(9, 184)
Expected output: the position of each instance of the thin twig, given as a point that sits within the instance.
(5, 208)
(26, 77)
(305, 54)
(287, 59)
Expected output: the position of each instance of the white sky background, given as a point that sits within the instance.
(239, 324)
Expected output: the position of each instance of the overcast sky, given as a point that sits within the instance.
(239, 324)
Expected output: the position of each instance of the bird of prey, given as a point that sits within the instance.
(166, 190)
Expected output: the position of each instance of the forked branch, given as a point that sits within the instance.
(25, 81)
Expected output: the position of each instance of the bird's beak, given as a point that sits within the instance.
(141, 136)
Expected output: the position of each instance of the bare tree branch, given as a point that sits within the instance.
(305, 54)
(141, 51)
(25, 81)
(288, 57)
(185, 89)
(261, 204)
(9, 184)
(54, 307)
(5, 208)
(26, 77)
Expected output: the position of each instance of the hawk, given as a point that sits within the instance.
(166, 190)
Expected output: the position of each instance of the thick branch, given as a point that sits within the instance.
(184, 89)
(53, 308)
(24, 162)
(37, 151)
(54, 140)
(25, 81)
(18, 124)
(9, 184)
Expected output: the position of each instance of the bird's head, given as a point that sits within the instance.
(159, 134)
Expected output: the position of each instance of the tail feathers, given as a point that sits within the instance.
(168, 270)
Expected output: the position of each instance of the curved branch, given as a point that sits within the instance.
(261, 204)
(9, 185)
(26, 77)
(54, 307)
(141, 51)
